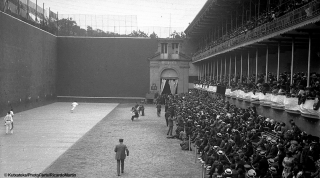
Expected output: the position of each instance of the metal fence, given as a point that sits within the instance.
(108, 26)
(81, 24)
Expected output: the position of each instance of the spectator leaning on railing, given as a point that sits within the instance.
(282, 86)
(276, 10)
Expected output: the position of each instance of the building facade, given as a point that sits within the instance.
(169, 67)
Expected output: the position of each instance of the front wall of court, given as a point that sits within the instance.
(27, 65)
(104, 67)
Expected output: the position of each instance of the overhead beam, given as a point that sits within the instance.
(306, 36)
(316, 30)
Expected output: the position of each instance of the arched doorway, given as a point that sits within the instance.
(169, 81)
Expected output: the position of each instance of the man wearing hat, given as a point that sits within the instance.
(218, 139)
(273, 150)
(274, 173)
(239, 163)
(249, 150)
(263, 164)
(214, 168)
(228, 173)
(121, 150)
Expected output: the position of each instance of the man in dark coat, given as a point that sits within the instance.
(121, 153)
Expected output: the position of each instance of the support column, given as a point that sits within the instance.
(241, 69)
(235, 69)
(198, 72)
(248, 76)
(267, 61)
(278, 66)
(230, 72)
(225, 69)
(208, 72)
(218, 70)
(309, 58)
(292, 59)
(221, 71)
(205, 71)
(214, 69)
(256, 65)
(202, 72)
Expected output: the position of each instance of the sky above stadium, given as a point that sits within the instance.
(176, 14)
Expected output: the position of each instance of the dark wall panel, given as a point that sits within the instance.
(104, 67)
(27, 65)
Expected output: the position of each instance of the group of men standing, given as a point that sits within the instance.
(169, 112)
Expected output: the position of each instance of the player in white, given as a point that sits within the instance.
(74, 105)
(8, 119)
(11, 113)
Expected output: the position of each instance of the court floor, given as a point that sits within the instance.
(42, 134)
(50, 139)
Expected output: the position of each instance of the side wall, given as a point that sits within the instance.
(104, 67)
(27, 65)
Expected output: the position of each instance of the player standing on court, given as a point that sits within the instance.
(158, 109)
(11, 113)
(8, 119)
(74, 105)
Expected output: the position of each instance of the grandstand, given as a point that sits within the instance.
(261, 47)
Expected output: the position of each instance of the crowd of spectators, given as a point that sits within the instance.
(238, 143)
(282, 86)
(277, 10)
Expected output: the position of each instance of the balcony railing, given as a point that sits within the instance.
(290, 19)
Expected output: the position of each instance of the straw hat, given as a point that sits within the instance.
(251, 173)
(228, 171)
(273, 170)
(247, 166)
(259, 149)
(262, 153)
(269, 139)
(270, 161)
(294, 142)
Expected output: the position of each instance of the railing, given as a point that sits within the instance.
(294, 17)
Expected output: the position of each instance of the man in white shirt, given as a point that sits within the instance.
(8, 120)
(11, 113)
(74, 105)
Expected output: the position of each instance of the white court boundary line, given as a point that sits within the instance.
(93, 97)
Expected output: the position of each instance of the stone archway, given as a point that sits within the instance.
(169, 81)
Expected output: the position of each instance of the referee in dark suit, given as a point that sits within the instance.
(121, 150)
